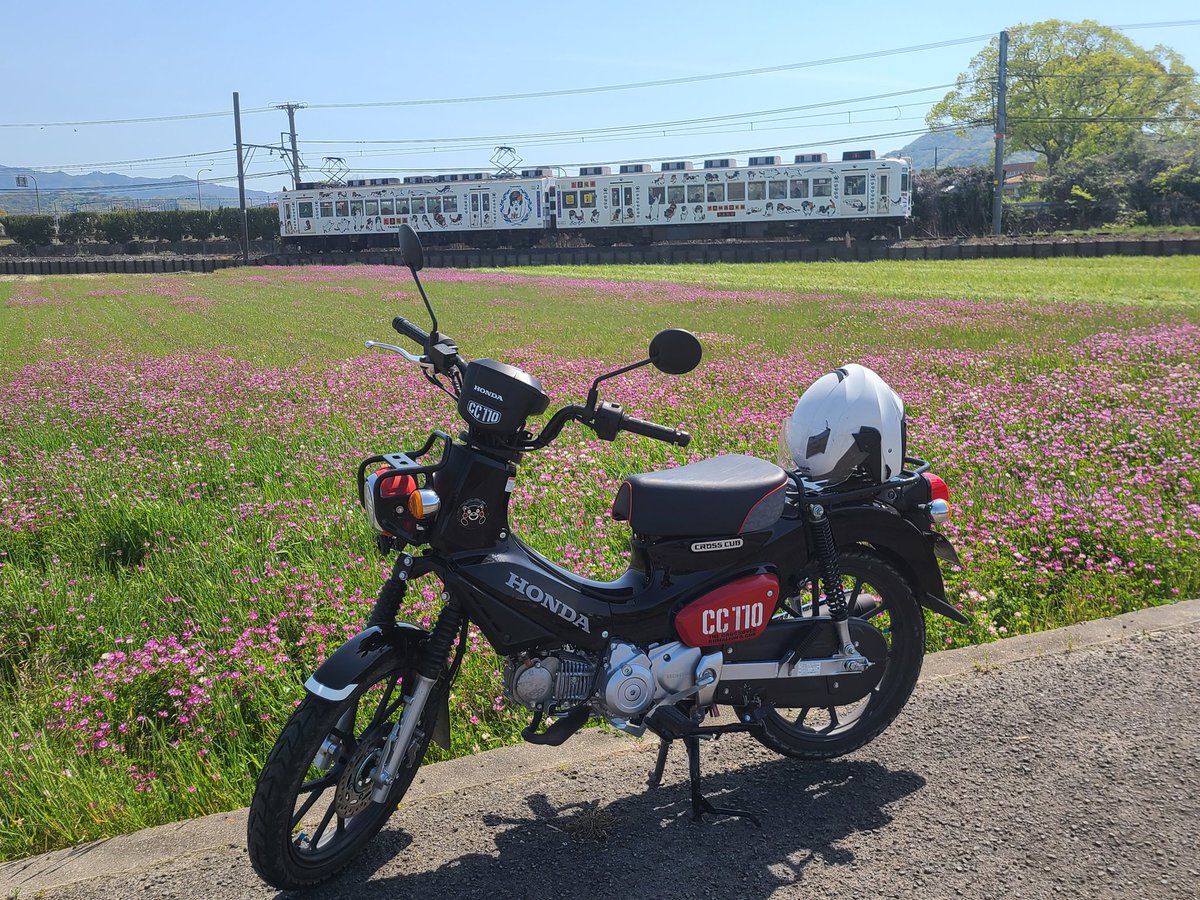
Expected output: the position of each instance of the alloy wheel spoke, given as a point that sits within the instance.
(315, 840)
(315, 789)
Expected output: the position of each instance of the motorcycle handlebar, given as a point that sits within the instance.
(655, 431)
(409, 330)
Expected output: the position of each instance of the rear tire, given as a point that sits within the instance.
(308, 821)
(877, 592)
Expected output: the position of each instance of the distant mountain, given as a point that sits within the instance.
(947, 148)
(102, 191)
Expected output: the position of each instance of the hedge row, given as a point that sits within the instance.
(125, 226)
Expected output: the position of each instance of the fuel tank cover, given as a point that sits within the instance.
(736, 611)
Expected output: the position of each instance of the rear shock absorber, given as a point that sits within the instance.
(831, 577)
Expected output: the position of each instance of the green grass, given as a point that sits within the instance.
(176, 454)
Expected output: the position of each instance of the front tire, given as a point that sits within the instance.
(312, 810)
(879, 594)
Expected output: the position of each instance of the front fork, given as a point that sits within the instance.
(430, 667)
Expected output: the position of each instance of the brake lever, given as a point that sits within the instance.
(419, 360)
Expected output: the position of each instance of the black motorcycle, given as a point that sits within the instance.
(796, 605)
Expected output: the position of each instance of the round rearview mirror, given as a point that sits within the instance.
(410, 249)
(675, 351)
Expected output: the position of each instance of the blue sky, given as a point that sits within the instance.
(73, 62)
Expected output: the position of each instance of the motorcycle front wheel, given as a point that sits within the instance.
(877, 593)
(312, 810)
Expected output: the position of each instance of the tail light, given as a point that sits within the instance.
(939, 504)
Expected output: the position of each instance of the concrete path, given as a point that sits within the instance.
(1063, 764)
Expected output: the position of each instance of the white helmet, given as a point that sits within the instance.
(849, 418)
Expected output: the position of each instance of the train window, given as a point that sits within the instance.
(629, 196)
(475, 203)
(343, 208)
(372, 207)
(695, 193)
(402, 206)
(450, 204)
(434, 204)
(356, 207)
(854, 185)
(675, 194)
(287, 210)
(822, 187)
(758, 190)
(716, 193)
(327, 208)
(487, 202)
(305, 209)
(904, 181)
(387, 207)
(616, 197)
(658, 195)
(735, 190)
(799, 188)
(568, 199)
(587, 199)
(418, 205)
(777, 190)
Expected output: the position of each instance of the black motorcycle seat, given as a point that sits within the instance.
(723, 495)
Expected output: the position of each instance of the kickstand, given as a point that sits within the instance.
(664, 744)
(700, 803)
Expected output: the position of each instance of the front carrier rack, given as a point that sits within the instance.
(386, 481)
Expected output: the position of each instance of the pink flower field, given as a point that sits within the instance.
(180, 543)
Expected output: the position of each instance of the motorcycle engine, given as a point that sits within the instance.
(549, 683)
(623, 687)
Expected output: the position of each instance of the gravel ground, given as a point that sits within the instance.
(1066, 776)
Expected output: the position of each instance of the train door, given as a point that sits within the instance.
(481, 208)
(883, 201)
(620, 204)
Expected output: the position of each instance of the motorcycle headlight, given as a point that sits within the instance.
(386, 498)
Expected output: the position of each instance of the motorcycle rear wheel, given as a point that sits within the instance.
(312, 810)
(878, 593)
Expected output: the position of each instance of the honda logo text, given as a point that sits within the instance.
(540, 597)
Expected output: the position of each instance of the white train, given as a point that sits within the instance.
(811, 197)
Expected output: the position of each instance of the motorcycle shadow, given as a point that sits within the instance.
(643, 845)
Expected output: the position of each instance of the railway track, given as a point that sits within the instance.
(661, 254)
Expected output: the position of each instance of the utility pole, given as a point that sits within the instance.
(1001, 127)
(237, 130)
(291, 108)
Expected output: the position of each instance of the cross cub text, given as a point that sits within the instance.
(784, 601)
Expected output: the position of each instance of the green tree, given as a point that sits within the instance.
(117, 227)
(1075, 89)
(30, 231)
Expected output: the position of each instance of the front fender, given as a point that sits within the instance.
(395, 644)
(915, 552)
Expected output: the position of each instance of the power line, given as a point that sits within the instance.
(122, 162)
(718, 153)
(664, 82)
(138, 121)
(656, 126)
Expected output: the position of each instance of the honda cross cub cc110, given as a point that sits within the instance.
(789, 594)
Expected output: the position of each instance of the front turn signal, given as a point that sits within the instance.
(424, 503)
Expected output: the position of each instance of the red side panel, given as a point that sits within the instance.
(737, 611)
